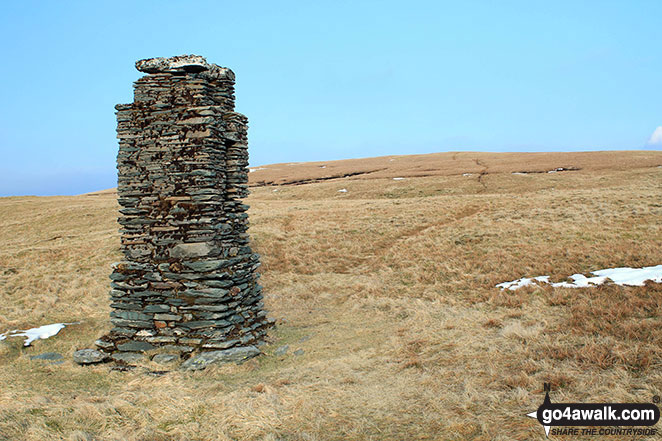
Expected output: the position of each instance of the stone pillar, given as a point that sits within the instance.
(188, 283)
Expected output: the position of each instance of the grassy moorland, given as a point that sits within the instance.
(389, 290)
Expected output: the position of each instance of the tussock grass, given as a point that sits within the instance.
(389, 291)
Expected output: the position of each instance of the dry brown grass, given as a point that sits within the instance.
(393, 282)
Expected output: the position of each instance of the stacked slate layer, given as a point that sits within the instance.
(188, 281)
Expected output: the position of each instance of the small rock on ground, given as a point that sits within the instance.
(89, 356)
(298, 352)
(50, 356)
(282, 350)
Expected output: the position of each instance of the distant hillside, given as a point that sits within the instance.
(445, 164)
(448, 164)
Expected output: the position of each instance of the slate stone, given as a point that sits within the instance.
(132, 323)
(219, 283)
(198, 324)
(135, 346)
(186, 250)
(156, 308)
(190, 341)
(128, 357)
(167, 317)
(123, 332)
(161, 339)
(248, 338)
(125, 305)
(105, 345)
(232, 355)
(178, 348)
(130, 315)
(181, 63)
(165, 358)
(49, 356)
(89, 356)
(223, 344)
(205, 266)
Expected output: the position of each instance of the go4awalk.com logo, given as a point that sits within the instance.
(623, 419)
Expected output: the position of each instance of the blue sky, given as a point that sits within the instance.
(333, 80)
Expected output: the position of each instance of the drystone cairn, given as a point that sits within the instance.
(187, 286)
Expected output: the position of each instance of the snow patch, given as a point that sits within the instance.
(466, 174)
(398, 179)
(40, 333)
(580, 281)
(632, 276)
(342, 190)
(619, 276)
(524, 281)
(251, 170)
